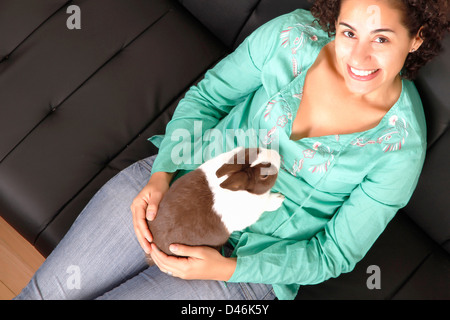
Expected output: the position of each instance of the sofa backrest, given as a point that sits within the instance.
(233, 20)
(430, 205)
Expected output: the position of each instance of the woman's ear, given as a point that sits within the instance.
(417, 41)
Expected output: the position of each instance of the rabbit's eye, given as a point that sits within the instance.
(264, 176)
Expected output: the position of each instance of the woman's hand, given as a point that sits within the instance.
(198, 262)
(145, 206)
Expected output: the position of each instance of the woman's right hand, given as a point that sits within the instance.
(145, 206)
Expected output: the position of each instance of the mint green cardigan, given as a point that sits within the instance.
(341, 190)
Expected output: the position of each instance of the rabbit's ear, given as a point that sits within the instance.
(235, 163)
(236, 181)
(228, 168)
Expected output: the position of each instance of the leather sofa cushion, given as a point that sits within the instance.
(73, 100)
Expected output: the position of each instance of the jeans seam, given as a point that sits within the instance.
(268, 292)
(245, 291)
(146, 165)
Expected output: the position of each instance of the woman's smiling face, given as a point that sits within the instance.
(371, 45)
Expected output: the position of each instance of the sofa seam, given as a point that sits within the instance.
(410, 276)
(36, 238)
(8, 56)
(54, 108)
(238, 34)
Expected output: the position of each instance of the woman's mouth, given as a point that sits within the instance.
(362, 75)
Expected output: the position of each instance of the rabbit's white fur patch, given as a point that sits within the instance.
(239, 209)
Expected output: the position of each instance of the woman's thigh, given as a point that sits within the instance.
(100, 251)
(152, 284)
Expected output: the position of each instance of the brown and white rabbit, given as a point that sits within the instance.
(226, 193)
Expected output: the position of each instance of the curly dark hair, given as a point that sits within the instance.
(431, 15)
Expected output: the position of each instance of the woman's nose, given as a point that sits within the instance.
(361, 54)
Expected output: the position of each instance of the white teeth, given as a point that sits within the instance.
(362, 73)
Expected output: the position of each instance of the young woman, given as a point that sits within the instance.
(330, 87)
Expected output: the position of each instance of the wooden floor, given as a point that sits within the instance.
(18, 261)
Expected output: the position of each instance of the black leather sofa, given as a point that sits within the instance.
(77, 106)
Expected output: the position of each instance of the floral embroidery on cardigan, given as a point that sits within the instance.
(295, 37)
(281, 121)
(317, 159)
(327, 156)
(269, 107)
(392, 139)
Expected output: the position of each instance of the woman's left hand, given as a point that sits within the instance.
(198, 262)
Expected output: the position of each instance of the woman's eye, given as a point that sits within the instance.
(349, 34)
(381, 40)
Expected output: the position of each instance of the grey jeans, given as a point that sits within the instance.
(100, 257)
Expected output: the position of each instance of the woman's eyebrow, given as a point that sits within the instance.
(347, 25)
(373, 31)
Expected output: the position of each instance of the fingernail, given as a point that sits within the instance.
(150, 215)
(173, 248)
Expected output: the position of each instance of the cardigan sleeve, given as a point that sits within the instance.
(345, 239)
(226, 85)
